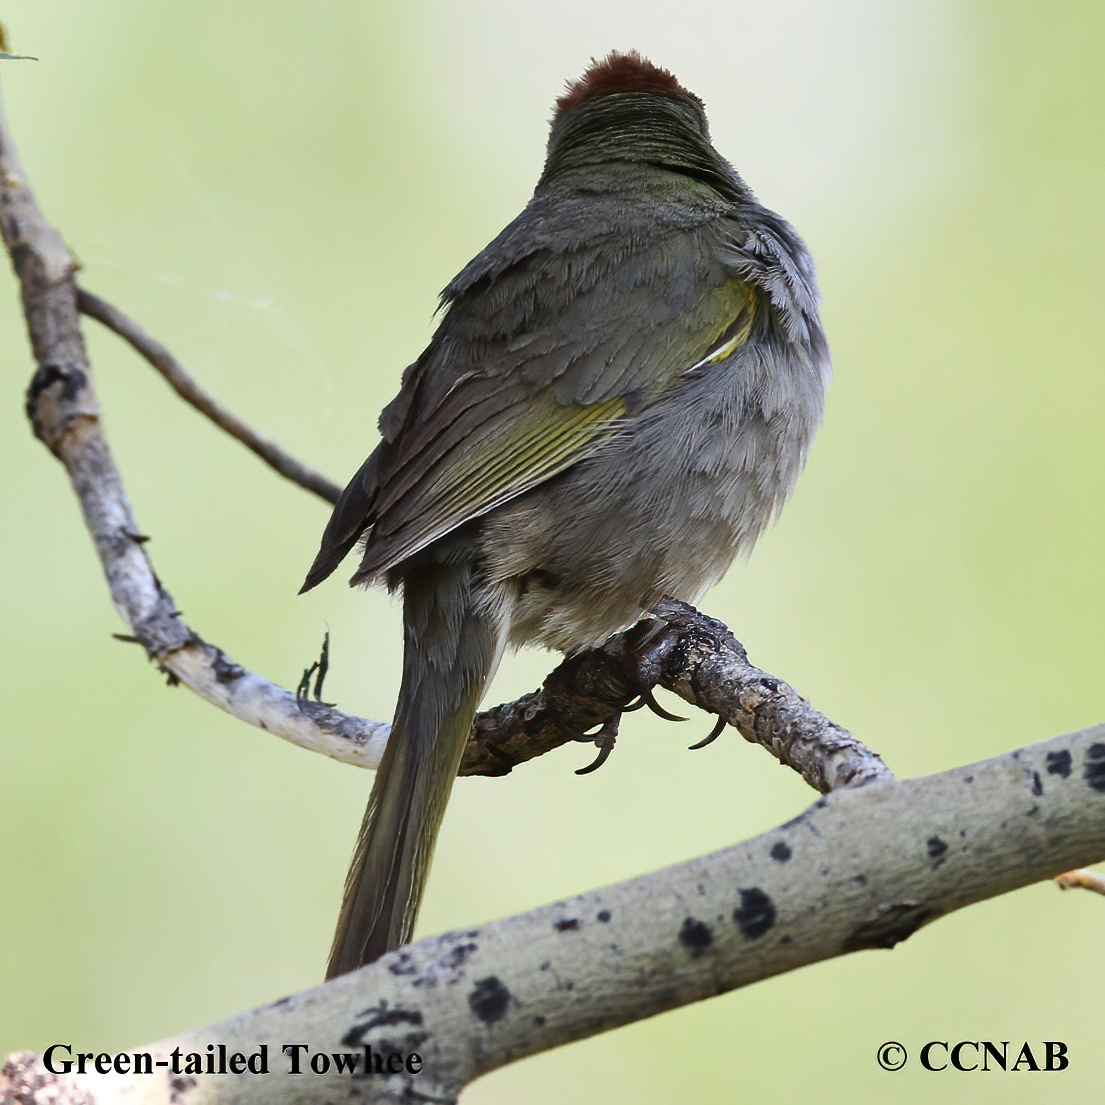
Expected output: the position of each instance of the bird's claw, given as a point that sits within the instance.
(604, 740)
(712, 736)
(649, 700)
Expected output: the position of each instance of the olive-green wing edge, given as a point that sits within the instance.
(549, 439)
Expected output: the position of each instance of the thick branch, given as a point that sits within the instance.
(861, 868)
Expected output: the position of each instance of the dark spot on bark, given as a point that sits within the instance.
(226, 671)
(567, 924)
(1094, 772)
(1031, 812)
(695, 936)
(539, 1021)
(756, 913)
(457, 955)
(119, 542)
(403, 965)
(379, 1016)
(936, 847)
(603, 915)
(1059, 763)
(546, 965)
(71, 378)
(489, 1000)
(1037, 784)
(891, 925)
(784, 939)
(780, 852)
(969, 779)
(859, 880)
(282, 1001)
(178, 1087)
(820, 804)
(170, 679)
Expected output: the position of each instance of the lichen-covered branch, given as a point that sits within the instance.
(864, 867)
(704, 664)
(65, 413)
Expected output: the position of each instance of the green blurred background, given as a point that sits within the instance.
(278, 192)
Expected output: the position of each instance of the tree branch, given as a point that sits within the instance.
(705, 665)
(861, 868)
(187, 388)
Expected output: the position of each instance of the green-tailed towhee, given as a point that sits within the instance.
(620, 395)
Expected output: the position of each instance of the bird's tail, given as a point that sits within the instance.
(453, 639)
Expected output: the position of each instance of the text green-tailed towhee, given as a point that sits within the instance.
(621, 393)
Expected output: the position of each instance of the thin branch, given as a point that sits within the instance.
(862, 868)
(702, 662)
(187, 388)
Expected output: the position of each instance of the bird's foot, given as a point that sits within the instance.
(642, 653)
(650, 643)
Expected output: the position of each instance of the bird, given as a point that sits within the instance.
(618, 398)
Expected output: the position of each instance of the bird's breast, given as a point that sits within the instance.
(663, 506)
